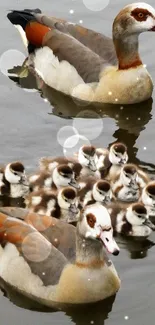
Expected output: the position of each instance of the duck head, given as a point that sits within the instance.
(87, 157)
(148, 194)
(129, 175)
(137, 215)
(118, 154)
(95, 224)
(102, 191)
(63, 176)
(15, 173)
(68, 200)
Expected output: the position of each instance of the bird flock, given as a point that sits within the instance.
(62, 187)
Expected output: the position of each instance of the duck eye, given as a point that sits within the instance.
(15, 174)
(116, 155)
(140, 15)
(139, 216)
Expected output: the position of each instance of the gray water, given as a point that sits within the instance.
(28, 130)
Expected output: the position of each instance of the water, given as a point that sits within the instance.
(28, 130)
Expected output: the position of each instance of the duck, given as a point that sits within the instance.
(125, 184)
(131, 220)
(61, 176)
(33, 266)
(64, 205)
(92, 190)
(83, 163)
(14, 182)
(98, 69)
(110, 161)
(148, 198)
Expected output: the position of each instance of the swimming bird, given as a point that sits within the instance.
(63, 205)
(31, 264)
(14, 181)
(61, 176)
(110, 161)
(84, 164)
(148, 198)
(98, 69)
(132, 220)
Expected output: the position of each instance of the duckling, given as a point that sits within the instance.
(62, 176)
(132, 220)
(95, 191)
(110, 162)
(148, 198)
(84, 162)
(125, 185)
(13, 181)
(64, 205)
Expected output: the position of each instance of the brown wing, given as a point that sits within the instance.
(97, 42)
(42, 257)
(59, 234)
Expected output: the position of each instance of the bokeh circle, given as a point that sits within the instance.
(96, 5)
(10, 59)
(64, 133)
(90, 129)
(73, 144)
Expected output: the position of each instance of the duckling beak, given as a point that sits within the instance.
(92, 165)
(73, 208)
(149, 224)
(74, 183)
(24, 181)
(107, 239)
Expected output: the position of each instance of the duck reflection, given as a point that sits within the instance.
(137, 247)
(130, 119)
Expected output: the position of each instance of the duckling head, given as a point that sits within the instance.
(68, 200)
(95, 224)
(15, 173)
(63, 176)
(118, 154)
(102, 191)
(148, 194)
(134, 19)
(87, 157)
(129, 175)
(137, 215)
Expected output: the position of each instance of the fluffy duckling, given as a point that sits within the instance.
(62, 176)
(13, 181)
(132, 220)
(83, 164)
(148, 198)
(95, 191)
(125, 185)
(64, 205)
(110, 162)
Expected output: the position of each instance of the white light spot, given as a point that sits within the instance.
(83, 245)
(5, 234)
(71, 11)
(144, 148)
(137, 78)
(92, 322)
(117, 115)
(141, 253)
(139, 118)
(126, 317)
(121, 108)
(45, 100)
(43, 273)
(81, 21)
(88, 279)
(96, 5)
(127, 118)
(110, 93)
(116, 99)
(144, 65)
(56, 240)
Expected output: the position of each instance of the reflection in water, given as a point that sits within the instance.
(137, 247)
(130, 119)
(81, 315)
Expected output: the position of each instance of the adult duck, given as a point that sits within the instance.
(35, 267)
(85, 64)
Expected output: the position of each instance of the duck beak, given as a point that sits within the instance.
(73, 213)
(149, 224)
(92, 165)
(74, 183)
(24, 181)
(109, 242)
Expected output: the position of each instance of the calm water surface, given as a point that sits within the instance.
(28, 130)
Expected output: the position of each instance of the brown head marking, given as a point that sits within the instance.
(141, 14)
(120, 147)
(91, 219)
(89, 150)
(130, 169)
(151, 189)
(139, 208)
(65, 170)
(17, 166)
(69, 192)
(103, 186)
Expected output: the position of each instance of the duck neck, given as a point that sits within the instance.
(127, 51)
(89, 253)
